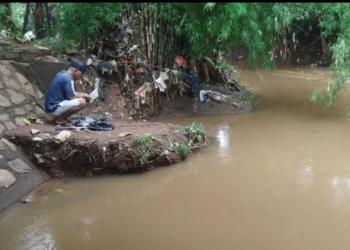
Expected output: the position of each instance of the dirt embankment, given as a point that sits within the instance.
(130, 147)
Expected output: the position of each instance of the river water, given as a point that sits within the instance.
(277, 178)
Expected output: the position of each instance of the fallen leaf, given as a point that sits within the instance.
(26, 121)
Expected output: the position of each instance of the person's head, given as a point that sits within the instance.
(77, 69)
(179, 62)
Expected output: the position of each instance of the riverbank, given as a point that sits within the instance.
(130, 147)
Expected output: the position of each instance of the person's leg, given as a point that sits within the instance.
(67, 108)
(82, 104)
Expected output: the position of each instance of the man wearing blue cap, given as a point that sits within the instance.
(62, 100)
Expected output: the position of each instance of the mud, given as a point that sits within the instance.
(130, 147)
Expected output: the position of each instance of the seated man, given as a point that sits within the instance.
(62, 100)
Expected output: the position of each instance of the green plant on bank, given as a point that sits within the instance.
(225, 67)
(146, 143)
(183, 149)
(80, 22)
(195, 131)
(248, 96)
(38, 144)
(144, 157)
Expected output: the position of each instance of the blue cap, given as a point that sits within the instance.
(80, 66)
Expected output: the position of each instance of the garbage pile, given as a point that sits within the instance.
(119, 57)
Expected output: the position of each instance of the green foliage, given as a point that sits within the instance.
(4, 18)
(18, 10)
(38, 144)
(183, 149)
(195, 131)
(249, 97)
(335, 17)
(80, 21)
(145, 142)
(225, 67)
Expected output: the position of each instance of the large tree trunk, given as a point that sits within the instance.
(325, 47)
(48, 17)
(26, 18)
(39, 21)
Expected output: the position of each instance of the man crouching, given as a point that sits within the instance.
(62, 100)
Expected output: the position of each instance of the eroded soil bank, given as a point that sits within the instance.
(130, 147)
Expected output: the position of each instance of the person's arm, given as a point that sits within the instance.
(82, 95)
(71, 94)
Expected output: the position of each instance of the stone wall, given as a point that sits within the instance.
(43, 71)
(9, 51)
(19, 99)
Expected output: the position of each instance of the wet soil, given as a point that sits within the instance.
(130, 147)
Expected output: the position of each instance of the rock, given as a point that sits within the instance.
(1, 85)
(19, 122)
(39, 158)
(9, 144)
(30, 198)
(34, 131)
(4, 117)
(2, 146)
(32, 116)
(2, 42)
(9, 125)
(6, 178)
(123, 134)
(19, 166)
(2, 128)
(39, 111)
(4, 71)
(19, 111)
(22, 80)
(29, 89)
(130, 118)
(28, 107)
(11, 83)
(43, 51)
(4, 102)
(38, 92)
(38, 121)
(15, 97)
(1, 156)
(62, 136)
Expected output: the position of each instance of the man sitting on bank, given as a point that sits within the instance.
(62, 100)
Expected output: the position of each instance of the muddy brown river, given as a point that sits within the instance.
(277, 178)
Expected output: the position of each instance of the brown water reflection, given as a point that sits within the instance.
(278, 178)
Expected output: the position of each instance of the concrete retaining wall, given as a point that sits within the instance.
(18, 100)
(10, 51)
